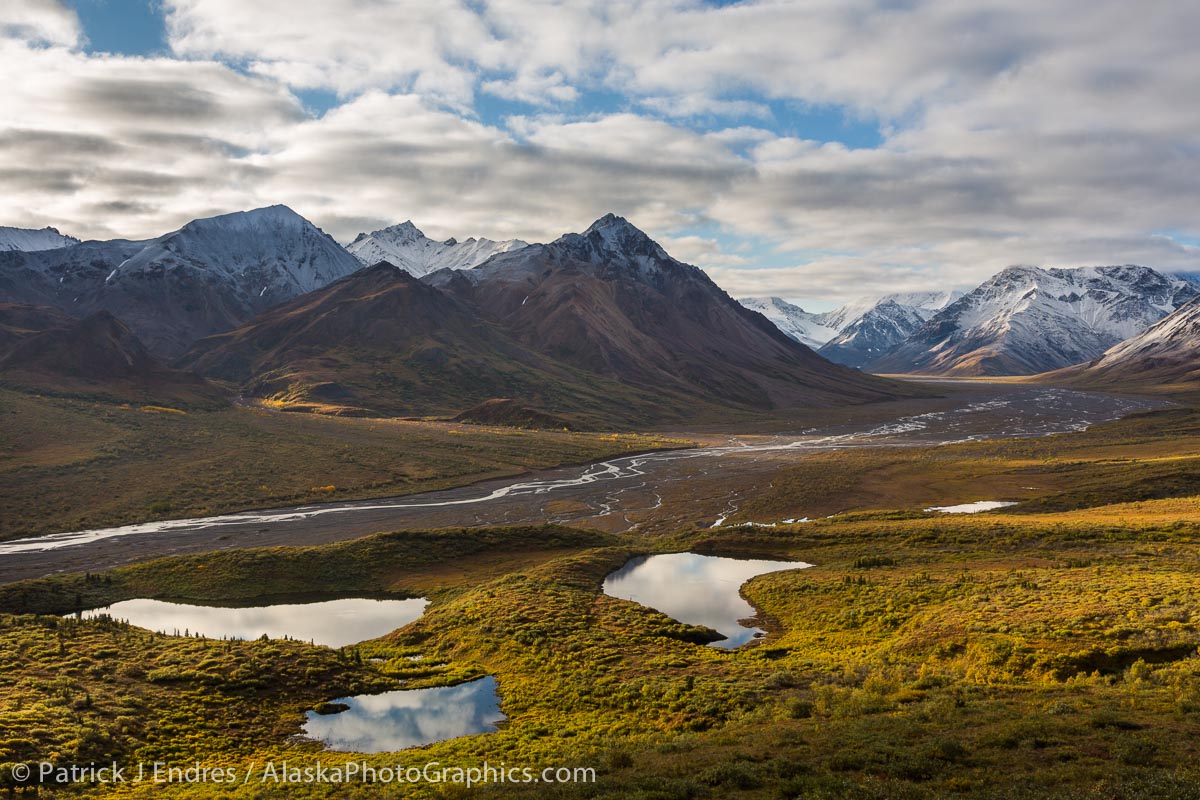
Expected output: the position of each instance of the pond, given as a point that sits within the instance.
(383, 723)
(333, 623)
(696, 589)
(973, 508)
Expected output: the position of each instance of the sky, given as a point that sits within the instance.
(816, 150)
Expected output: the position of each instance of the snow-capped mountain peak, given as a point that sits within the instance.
(616, 241)
(925, 304)
(869, 328)
(1029, 319)
(207, 276)
(1167, 354)
(31, 240)
(271, 253)
(859, 331)
(1176, 336)
(807, 328)
(405, 246)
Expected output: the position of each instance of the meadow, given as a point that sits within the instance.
(1047, 650)
(133, 463)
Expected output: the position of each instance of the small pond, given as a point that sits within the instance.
(972, 508)
(333, 623)
(696, 589)
(383, 723)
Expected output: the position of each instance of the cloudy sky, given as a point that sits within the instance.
(813, 149)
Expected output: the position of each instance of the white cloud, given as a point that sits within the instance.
(537, 90)
(39, 21)
(699, 105)
(385, 157)
(105, 145)
(701, 251)
(347, 46)
(1057, 131)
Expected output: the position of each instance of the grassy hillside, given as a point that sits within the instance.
(1142, 457)
(997, 656)
(131, 463)
(1049, 650)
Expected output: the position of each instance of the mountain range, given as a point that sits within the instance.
(806, 328)
(406, 247)
(379, 341)
(1027, 320)
(602, 324)
(209, 276)
(611, 301)
(870, 329)
(48, 351)
(1165, 355)
(858, 332)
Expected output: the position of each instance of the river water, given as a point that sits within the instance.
(616, 494)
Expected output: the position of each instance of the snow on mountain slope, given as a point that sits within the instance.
(209, 276)
(873, 334)
(869, 328)
(67, 277)
(610, 301)
(1165, 354)
(924, 304)
(1026, 320)
(808, 329)
(29, 240)
(406, 247)
(268, 254)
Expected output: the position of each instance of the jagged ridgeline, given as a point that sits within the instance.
(1165, 356)
(594, 329)
(1022, 321)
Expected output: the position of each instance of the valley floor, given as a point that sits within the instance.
(72, 464)
(832, 461)
(1048, 649)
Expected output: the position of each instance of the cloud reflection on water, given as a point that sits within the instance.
(696, 589)
(333, 623)
(381, 723)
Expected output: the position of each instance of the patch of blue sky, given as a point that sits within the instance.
(491, 109)
(122, 27)
(778, 117)
(783, 117)
(1179, 237)
(824, 123)
(318, 101)
(794, 119)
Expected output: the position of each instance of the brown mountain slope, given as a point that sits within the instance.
(380, 341)
(612, 302)
(19, 320)
(209, 276)
(1164, 357)
(510, 414)
(97, 356)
